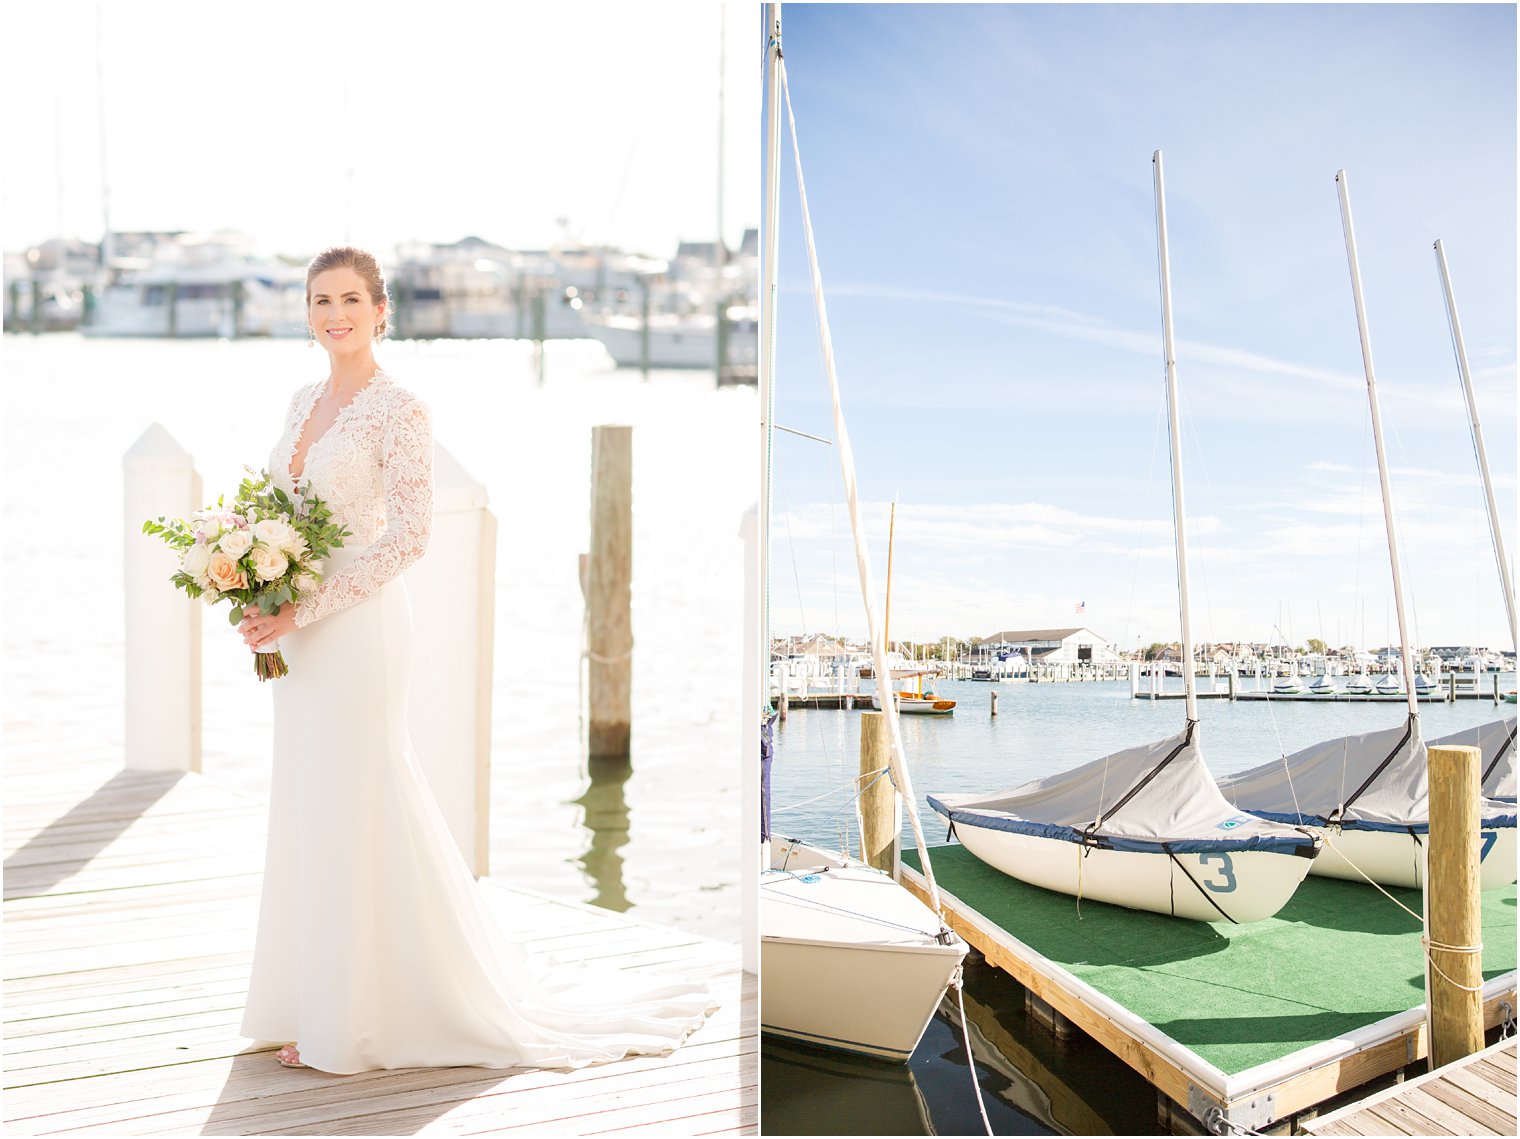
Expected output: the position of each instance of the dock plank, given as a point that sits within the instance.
(1473, 1096)
(128, 954)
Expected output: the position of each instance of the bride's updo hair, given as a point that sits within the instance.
(361, 262)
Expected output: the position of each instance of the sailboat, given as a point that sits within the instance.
(1368, 794)
(851, 960)
(1146, 827)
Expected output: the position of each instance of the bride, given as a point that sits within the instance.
(375, 947)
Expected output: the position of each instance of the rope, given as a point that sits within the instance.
(621, 658)
(957, 983)
(1424, 937)
(901, 779)
(833, 791)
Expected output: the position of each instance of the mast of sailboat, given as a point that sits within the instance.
(1477, 433)
(1377, 441)
(886, 620)
(767, 371)
(1189, 681)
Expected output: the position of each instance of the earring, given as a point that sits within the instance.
(311, 336)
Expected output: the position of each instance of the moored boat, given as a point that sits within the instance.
(851, 960)
(1146, 827)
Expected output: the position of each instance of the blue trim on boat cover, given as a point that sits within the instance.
(1488, 822)
(1283, 844)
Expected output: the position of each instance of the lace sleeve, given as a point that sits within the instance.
(406, 464)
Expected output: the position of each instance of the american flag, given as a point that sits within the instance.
(1081, 606)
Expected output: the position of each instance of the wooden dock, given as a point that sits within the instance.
(130, 906)
(1474, 1096)
(1235, 1026)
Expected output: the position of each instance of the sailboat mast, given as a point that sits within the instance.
(767, 371)
(1189, 681)
(1477, 433)
(886, 621)
(1377, 441)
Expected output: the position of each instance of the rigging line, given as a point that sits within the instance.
(848, 474)
(1151, 774)
(802, 434)
(792, 549)
(832, 791)
(1409, 724)
(1508, 744)
(957, 982)
(1196, 886)
(1150, 473)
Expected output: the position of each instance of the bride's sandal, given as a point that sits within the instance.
(289, 1057)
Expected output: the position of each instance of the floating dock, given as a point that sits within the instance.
(1474, 1096)
(130, 905)
(1238, 1026)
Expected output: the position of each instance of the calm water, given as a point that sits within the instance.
(72, 406)
(1033, 1085)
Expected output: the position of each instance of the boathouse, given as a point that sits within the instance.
(1052, 646)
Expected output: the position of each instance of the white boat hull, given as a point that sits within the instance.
(1394, 858)
(1243, 886)
(851, 960)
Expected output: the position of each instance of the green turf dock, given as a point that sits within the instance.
(1249, 1023)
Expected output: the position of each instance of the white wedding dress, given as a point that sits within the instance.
(376, 947)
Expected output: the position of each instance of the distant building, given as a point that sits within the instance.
(1051, 646)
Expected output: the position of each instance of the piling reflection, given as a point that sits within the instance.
(605, 808)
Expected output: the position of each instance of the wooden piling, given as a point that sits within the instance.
(994, 704)
(1455, 918)
(781, 706)
(609, 591)
(878, 798)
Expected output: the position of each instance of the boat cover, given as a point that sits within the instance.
(1373, 781)
(1496, 740)
(1157, 797)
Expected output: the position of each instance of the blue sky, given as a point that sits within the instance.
(980, 184)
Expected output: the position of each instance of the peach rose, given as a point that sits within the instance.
(224, 573)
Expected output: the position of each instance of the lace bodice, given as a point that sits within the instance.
(374, 468)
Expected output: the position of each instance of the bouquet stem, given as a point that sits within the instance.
(269, 666)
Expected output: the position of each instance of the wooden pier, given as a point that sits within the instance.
(1234, 1026)
(1474, 1096)
(130, 905)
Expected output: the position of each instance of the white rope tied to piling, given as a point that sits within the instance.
(1424, 937)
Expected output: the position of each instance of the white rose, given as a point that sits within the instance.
(268, 563)
(210, 596)
(224, 573)
(275, 532)
(306, 582)
(195, 559)
(235, 543)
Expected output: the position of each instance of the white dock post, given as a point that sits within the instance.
(161, 624)
(452, 591)
(1134, 679)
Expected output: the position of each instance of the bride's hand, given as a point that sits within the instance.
(259, 628)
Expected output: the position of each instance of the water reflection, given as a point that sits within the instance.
(605, 808)
(1032, 1083)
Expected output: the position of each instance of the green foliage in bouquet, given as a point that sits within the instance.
(266, 549)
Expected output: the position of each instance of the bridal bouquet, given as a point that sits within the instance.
(264, 549)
